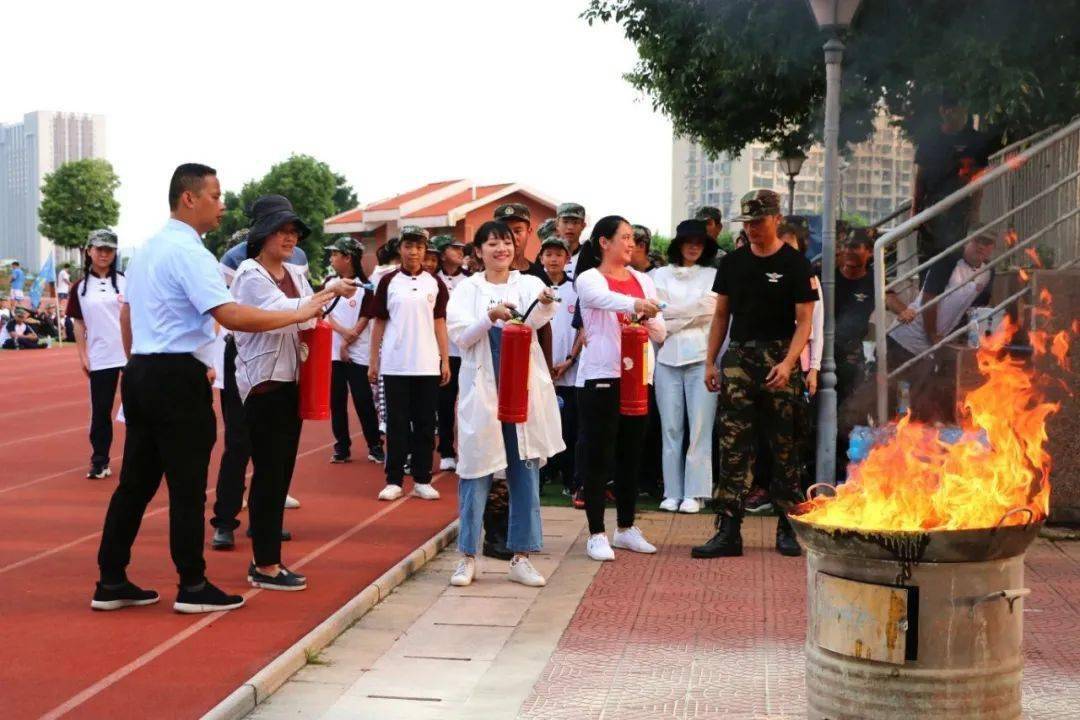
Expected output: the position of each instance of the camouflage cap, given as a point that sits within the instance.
(708, 212)
(642, 234)
(758, 204)
(554, 241)
(546, 229)
(798, 224)
(240, 236)
(570, 210)
(346, 245)
(513, 211)
(102, 238)
(861, 237)
(414, 232)
(441, 242)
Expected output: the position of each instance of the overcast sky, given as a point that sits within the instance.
(392, 94)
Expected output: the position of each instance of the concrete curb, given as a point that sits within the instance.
(245, 698)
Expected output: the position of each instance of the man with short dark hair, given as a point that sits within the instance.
(640, 259)
(174, 294)
(714, 225)
(569, 224)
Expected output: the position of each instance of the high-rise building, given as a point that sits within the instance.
(29, 151)
(876, 177)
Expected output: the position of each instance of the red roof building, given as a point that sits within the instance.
(450, 207)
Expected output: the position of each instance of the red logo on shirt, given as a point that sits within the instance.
(352, 303)
(571, 308)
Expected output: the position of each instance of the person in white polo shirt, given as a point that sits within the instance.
(410, 350)
(94, 307)
(451, 259)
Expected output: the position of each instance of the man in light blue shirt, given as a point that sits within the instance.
(174, 295)
(18, 279)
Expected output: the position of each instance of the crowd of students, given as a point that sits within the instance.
(734, 349)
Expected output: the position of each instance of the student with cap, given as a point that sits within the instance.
(174, 295)
(431, 259)
(569, 224)
(409, 352)
(764, 291)
(267, 371)
(451, 259)
(20, 333)
(476, 313)
(18, 280)
(388, 259)
(94, 307)
(685, 284)
(546, 229)
(351, 355)
(610, 295)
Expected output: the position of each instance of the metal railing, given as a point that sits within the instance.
(1030, 192)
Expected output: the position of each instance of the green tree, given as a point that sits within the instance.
(731, 72)
(76, 198)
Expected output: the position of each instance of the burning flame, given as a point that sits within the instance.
(918, 481)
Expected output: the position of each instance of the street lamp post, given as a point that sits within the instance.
(792, 165)
(834, 16)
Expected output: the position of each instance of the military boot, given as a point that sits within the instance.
(495, 533)
(727, 542)
(786, 542)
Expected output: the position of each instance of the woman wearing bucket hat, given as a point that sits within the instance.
(267, 369)
(684, 402)
(94, 307)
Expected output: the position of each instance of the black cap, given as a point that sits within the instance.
(269, 214)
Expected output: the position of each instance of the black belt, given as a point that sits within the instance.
(758, 343)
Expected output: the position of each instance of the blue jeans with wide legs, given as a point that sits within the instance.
(685, 404)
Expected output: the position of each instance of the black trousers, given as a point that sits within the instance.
(170, 430)
(613, 447)
(102, 396)
(234, 459)
(349, 378)
(411, 401)
(447, 401)
(273, 420)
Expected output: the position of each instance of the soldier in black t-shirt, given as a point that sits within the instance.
(764, 292)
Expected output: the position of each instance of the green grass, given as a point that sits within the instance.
(551, 495)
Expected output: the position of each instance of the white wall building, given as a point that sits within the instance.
(29, 151)
(875, 178)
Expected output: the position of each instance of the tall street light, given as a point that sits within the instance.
(792, 165)
(834, 16)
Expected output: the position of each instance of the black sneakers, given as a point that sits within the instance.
(98, 472)
(126, 595)
(338, 458)
(376, 455)
(285, 580)
(208, 598)
(223, 539)
(727, 542)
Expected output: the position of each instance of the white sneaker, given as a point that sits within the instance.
(689, 505)
(522, 571)
(598, 548)
(632, 539)
(390, 492)
(448, 464)
(670, 505)
(465, 572)
(291, 503)
(424, 491)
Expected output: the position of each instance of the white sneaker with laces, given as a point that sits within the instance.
(464, 573)
(689, 505)
(522, 571)
(448, 464)
(390, 492)
(291, 503)
(670, 505)
(598, 548)
(424, 491)
(631, 539)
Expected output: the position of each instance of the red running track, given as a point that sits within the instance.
(64, 660)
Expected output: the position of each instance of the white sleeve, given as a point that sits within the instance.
(817, 332)
(541, 314)
(464, 328)
(656, 326)
(251, 288)
(594, 293)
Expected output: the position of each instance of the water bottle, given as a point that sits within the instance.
(950, 434)
(903, 405)
(860, 440)
(973, 332)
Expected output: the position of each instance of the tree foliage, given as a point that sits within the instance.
(76, 198)
(315, 191)
(731, 72)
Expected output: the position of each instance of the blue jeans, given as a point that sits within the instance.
(686, 404)
(523, 478)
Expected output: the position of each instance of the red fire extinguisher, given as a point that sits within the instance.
(315, 352)
(514, 358)
(633, 386)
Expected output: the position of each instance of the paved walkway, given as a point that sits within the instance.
(658, 636)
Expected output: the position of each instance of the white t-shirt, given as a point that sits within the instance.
(451, 282)
(63, 281)
(347, 313)
(99, 310)
(563, 332)
(409, 306)
(912, 336)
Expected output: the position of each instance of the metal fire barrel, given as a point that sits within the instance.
(914, 625)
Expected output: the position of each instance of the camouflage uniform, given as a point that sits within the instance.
(744, 402)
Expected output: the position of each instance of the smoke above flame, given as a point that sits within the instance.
(917, 480)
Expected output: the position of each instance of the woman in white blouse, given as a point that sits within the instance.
(681, 396)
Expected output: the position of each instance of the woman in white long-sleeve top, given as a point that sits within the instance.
(267, 369)
(610, 295)
(685, 285)
(475, 314)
